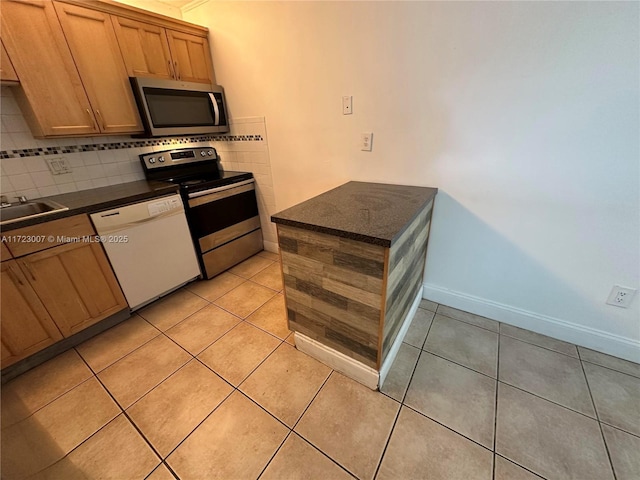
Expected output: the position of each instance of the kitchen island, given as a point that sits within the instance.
(352, 263)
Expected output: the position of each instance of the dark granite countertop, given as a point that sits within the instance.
(374, 213)
(98, 199)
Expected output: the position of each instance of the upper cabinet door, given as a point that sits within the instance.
(144, 47)
(7, 72)
(95, 49)
(56, 103)
(191, 57)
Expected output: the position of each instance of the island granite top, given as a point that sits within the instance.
(374, 213)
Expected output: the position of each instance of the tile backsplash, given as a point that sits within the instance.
(101, 161)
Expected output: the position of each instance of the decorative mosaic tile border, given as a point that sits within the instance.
(42, 151)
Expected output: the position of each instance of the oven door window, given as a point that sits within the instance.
(212, 217)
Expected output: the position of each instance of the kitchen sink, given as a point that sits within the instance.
(17, 212)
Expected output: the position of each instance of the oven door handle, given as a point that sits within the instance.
(220, 189)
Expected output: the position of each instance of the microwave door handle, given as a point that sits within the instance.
(215, 109)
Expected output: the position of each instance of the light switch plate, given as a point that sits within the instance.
(366, 140)
(347, 105)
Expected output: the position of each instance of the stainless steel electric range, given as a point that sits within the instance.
(221, 206)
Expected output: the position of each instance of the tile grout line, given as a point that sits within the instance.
(420, 350)
(467, 322)
(126, 354)
(291, 429)
(449, 428)
(90, 436)
(314, 397)
(524, 468)
(156, 386)
(609, 368)
(93, 374)
(520, 388)
(289, 433)
(495, 408)
(386, 444)
(595, 409)
(404, 396)
(393, 427)
(535, 344)
(547, 400)
(619, 429)
(302, 415)
(168, 467)
(575, 357)
(194, 357)
(131, 422)
(459, 364)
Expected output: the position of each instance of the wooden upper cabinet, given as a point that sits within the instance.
(51, 93)
(153, 51)
(144, 47)
(7, 72)
(95, 49)
(191, 57)
(27, 327)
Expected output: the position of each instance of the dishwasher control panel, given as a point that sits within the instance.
(164, 205)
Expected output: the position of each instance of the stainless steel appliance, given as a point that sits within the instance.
(221, 206)
(173, 107)
(149, 247)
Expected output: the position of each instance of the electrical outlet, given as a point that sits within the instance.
(621, 296)
(347, 105)
(58, 165)
(366, 140)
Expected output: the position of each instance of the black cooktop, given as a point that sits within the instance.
(194, 169)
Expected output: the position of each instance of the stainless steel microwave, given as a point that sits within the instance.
(174, 108)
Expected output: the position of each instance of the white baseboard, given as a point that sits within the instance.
(270, 246)
(553, 327)
(391, 356)
(354, 369)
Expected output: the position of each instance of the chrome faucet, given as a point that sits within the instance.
(22, 199)
(4, 202)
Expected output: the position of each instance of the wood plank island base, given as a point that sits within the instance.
(352, 262)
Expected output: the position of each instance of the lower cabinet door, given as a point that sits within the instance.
(75, 283)
(26, 325)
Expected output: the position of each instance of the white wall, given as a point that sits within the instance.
(524, 115)
(162, 7)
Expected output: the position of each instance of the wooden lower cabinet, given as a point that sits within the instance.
(51, 291)
(26, 325)
(75, 283)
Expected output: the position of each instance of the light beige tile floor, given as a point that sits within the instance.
(206, 384)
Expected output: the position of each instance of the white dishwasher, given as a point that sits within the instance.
(149, 247)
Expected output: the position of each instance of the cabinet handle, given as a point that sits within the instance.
(14, 277)
(171, 72)
(101, 120)
(93, 120)
(28, 269)
(175, 68)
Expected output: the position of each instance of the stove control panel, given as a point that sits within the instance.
(181, 156)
